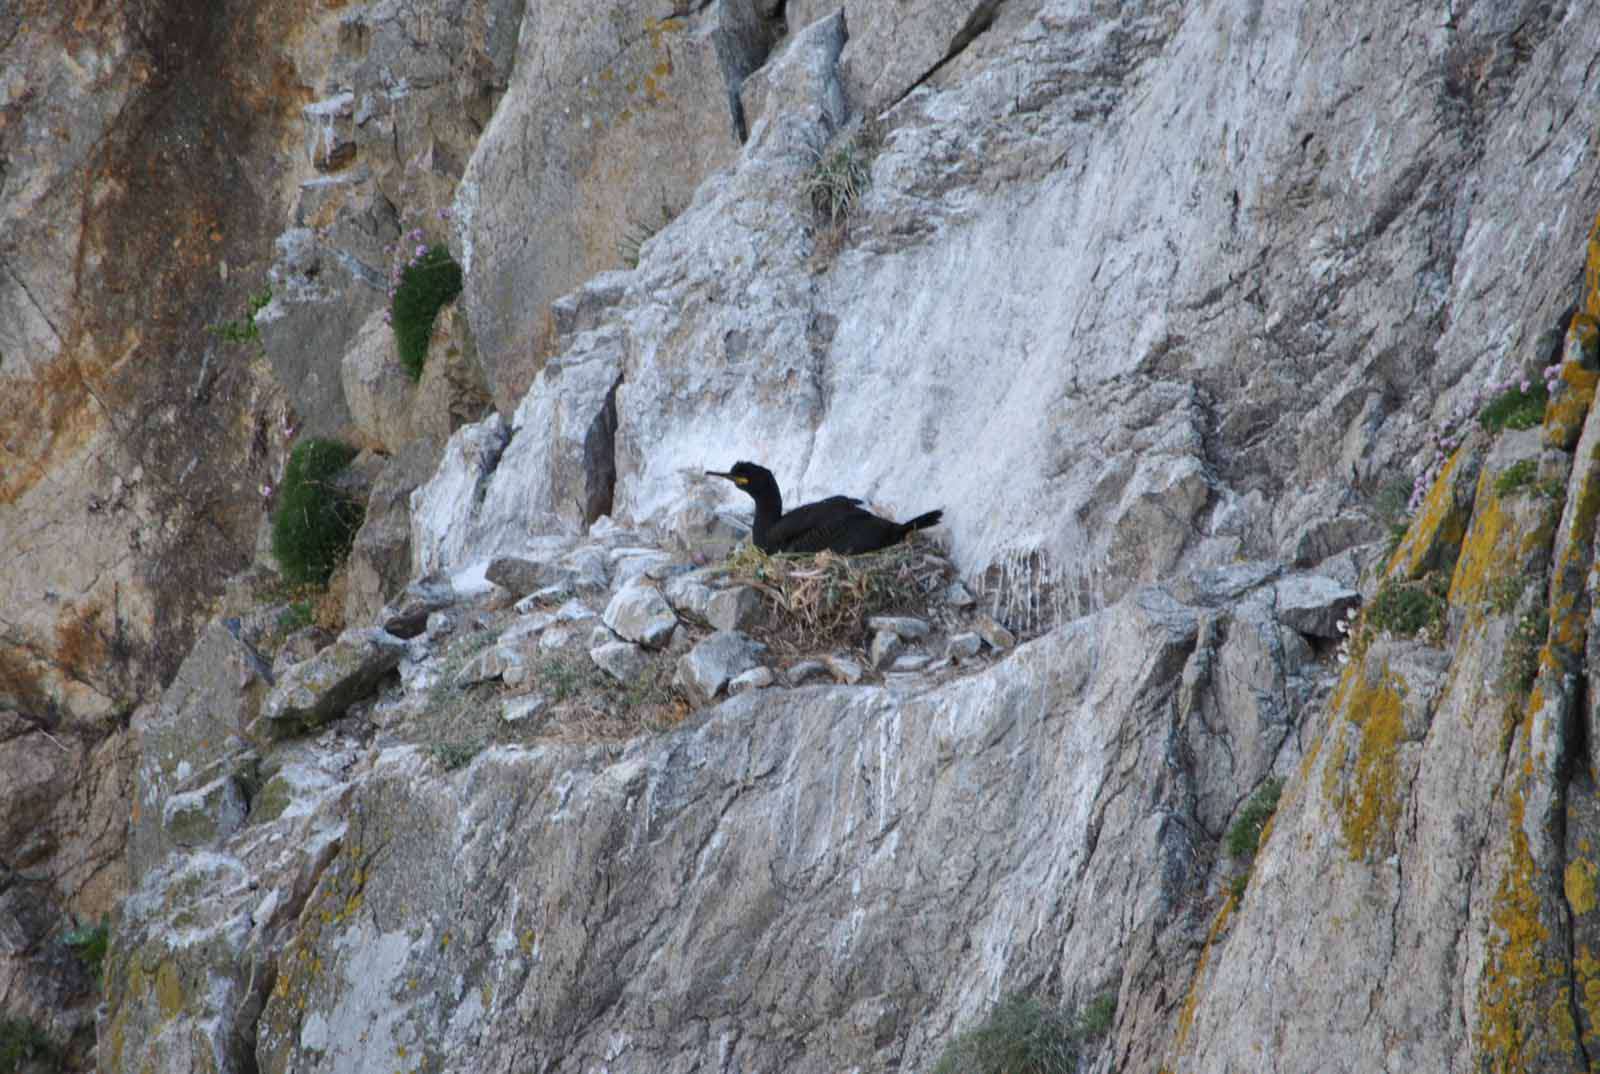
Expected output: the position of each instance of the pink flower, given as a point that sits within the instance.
(266, 490)
(444, 214)
(421, 250)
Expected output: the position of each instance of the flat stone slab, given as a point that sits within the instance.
(903, 627)
(1313, 604)
(322, 688)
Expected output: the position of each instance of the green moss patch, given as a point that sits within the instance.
(1021, 1035)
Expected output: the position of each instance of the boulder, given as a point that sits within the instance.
(320, 689)
(639, 613)
(707, 668)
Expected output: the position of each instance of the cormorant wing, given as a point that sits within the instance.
(792, 528)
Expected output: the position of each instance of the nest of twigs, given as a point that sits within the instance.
(822, 601)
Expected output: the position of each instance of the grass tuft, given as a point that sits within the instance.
(1020, 1036)
(427, 284)
(1406, 609)
(315, 521)
(1515, 408)
(90, 943)
(1244, 837)
(22, 1044)
(1519, 475)
(1519, 663)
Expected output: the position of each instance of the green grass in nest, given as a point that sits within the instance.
(427, 285)
(315, 521)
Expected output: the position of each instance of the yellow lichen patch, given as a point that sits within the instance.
(1591, 272)
(1365, 785)
(169, 990)
(1486, 548)
(1569, 406)
(1191, 1001)
(1441, 523)
(1579, 885)
(1587, 969)
(1513, 1031)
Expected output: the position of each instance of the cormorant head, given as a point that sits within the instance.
(753, 479)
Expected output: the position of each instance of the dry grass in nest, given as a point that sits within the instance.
(822, 601)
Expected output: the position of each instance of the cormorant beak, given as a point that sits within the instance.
(731, 477)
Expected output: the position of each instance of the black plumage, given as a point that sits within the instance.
(837, 524)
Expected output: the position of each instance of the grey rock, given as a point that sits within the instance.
(517, 576)
(574, 611)
(557, 593)
(601, 635)
(689, 595)
(379, 564)
(844, 669)
(886, 645)
(993, 634)
(959, 596)
(639, 613)
(440, 625)
(911, 662)
(736, 608)
(554, 638)
(522, 707)
(757, 678)
(1313, 604)
(498, 661)
(320, 689)
(303, 644)
(963, 646)
(903, 627)
(408, 617)
(807, 671)
(707, 668)
(205, 816)
(631, 563)
(622, 660)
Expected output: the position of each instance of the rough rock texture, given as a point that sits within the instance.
(613, 116)
(1164, 304)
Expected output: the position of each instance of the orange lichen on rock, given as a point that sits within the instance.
(1434, 537)
(1363, 776)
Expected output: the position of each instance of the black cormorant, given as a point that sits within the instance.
(837, 524)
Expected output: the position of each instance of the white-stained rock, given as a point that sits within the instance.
(639, 613)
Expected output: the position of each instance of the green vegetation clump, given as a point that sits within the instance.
(90, 943)
(428, 283)
(1244, 836)
(1406, 609)
(1519, 475)
(454, 755)
(315, 521)
(22, 1043)
(1519, 406)
(1520, 660)
(244, 330)
(1020, 1036)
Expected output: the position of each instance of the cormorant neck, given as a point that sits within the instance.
(769, 508)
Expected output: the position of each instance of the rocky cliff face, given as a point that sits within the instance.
(1164, 304)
